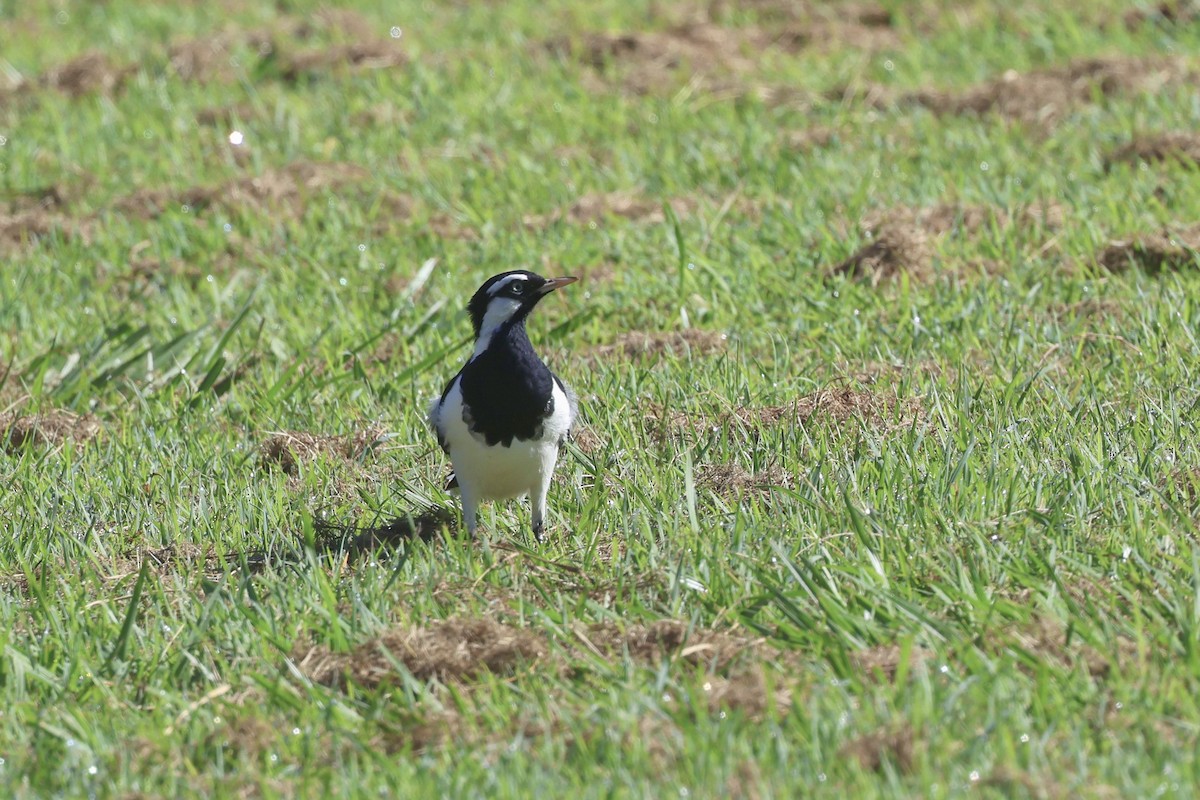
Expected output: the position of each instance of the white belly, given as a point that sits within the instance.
(497, 471)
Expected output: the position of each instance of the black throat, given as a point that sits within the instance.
(507, 391)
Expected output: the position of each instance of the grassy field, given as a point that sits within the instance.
(885, 340)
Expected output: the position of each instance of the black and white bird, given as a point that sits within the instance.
(504, 416)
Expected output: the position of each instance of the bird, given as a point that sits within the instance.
(504, 417)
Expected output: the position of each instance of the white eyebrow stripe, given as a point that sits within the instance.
(500, 285)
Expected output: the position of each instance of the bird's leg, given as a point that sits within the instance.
(537, 504)
(470, 510)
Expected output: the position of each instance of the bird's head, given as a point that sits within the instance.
(509, 297)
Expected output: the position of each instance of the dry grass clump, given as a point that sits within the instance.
(287, 450)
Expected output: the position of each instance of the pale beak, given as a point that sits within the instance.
(555, 283)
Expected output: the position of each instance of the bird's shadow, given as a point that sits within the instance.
(354, 541)
(342, 541)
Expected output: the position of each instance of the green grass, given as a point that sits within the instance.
(1016, 540)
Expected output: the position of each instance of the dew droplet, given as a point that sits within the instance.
(396, 32)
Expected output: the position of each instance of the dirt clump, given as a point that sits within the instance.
(840, 405)
(1046, 639)
(287, 450)
(40, 198)
(942, 219)
(25, 227)
(460, 649)
(355, 43)
(747, 693)
(218, 116)
(836, 405)
(735, 480)
(887, 659)
(453, 650)
(90, 73)
(1154, 253)
(673, 639)
(1183, 148)
(646, 61)
(311, 63)
(809, 139)
(895, 249)
(52, 428)
(652, 55)
(1042, 97)
(639, 345)
(878, 748)
(865, 14)
(594, 208)
(287, 187)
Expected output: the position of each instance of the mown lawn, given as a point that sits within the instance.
(886, 341)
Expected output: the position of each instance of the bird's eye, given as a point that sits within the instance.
(517, 287)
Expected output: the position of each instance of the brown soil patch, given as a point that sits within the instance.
(875, 750)
(669, 639)
(647, 61)
(26, 227)
(34, 214)
(902, 238)
(311, 63)
(595, 208)
(459, 649)
(586, 439)
(1043, 96)
(88, 74)
(52, 428)
(942, 219)
(838, 405)
(225, 115)
(287, 187)
(1181, 147)
(809, 139)
(41, 198)
(640, 345)
(735, 480)
(748, 694)
(1154, 253)
(1168, 12)
(886, 660)
(289, 449)
(453, 650)
(895, 249)
(865, 14)
(1046, 640)
(356, 45)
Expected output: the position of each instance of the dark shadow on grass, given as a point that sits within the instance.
(356, 540)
